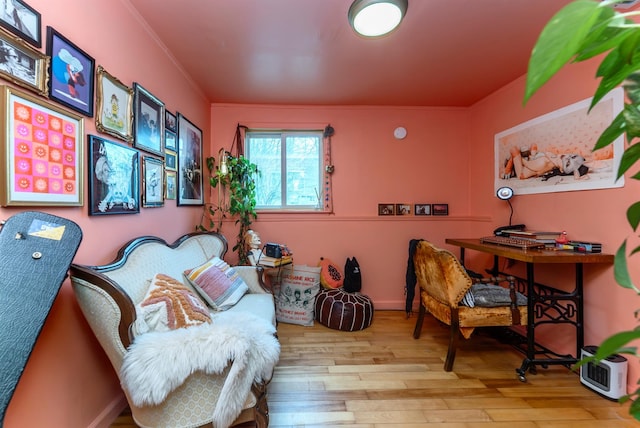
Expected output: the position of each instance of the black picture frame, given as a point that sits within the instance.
(114, 177)
(152, 182)
(72, 74)
(170, 121)
(190, 184)
(148, 121)
(24, 21)
(422, 209)
(386, 209)
(403, 209)
(439, 209)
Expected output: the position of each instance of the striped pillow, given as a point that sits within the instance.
(217, 283)
(169, 305)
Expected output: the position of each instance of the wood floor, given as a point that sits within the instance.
(382, 377)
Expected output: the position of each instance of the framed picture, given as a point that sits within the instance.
(114, 101)
(42, 154)
(171, 160)
(22, 64)
(554, 152)
(170, 121)
(152, 182)
(440, 209)
(114, 178)
(422, 209)
(22, 20)
(148, 114)
(189, 163)
(72, 74)
(403, 209)
(386, 209)
(171, 185)
(170, 140)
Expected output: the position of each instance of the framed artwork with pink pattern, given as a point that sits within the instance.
(42, 153)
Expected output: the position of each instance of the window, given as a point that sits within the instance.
(290, 165)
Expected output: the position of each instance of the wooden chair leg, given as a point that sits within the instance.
(454, 336)
(418, 329)
(261, 409)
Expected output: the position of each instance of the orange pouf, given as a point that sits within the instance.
(344, 311)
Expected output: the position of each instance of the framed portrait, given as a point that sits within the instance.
(440, 209)
(554, 152)
(189, 171)
(403, 209)
(22, 20)
(114, 177)
(42, 152)
(114, 101)
(386, 209)
(72, 74)
(148, 121)
(170, 122)
(171, 185)
(171, 160)
(422, 209)
(169, 140)
(23, 65)
(152, 182)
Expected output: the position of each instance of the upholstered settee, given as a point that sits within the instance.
(445, 285)
(212, 372)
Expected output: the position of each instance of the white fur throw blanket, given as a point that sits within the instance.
(158, 362)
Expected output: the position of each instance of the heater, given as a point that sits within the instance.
(608, 377)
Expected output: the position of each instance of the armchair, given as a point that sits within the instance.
(443, 284)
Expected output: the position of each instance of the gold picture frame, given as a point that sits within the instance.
(114, 100)
(42, 149)
(23, 65)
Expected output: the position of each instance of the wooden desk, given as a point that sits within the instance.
(545, 305)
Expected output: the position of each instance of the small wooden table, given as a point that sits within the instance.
(545, 305)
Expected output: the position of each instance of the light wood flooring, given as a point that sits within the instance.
(382, 377)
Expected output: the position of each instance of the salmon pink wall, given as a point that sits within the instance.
(592, 215)
(429, 166)
(68, 381)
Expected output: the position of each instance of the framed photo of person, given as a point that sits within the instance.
(152, 182)
(403, 209)
(386, 209)
(190, 190)
(42, 153)
(114, 102)
(422, 209)
(72, 74)
(148, 121)
(114, 178)
(22, 64)
(171, 160)
(22, 20)
(170, 121)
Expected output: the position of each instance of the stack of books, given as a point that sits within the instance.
(546, 238)
(264, 260)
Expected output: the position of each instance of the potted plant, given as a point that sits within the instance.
(235, 177)
(581, 31)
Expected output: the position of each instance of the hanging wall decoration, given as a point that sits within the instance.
(553, 152)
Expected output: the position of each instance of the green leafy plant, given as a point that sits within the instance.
(579, 32)
(236, 198)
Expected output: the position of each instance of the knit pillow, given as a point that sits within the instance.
(169, 305)
(217, 283)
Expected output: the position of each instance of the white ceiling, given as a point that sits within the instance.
(445, 52)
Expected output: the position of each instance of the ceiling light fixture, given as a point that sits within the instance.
(373, 18)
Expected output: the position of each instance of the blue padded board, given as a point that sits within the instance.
(36, 250)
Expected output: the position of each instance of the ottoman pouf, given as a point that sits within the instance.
(344, 311)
